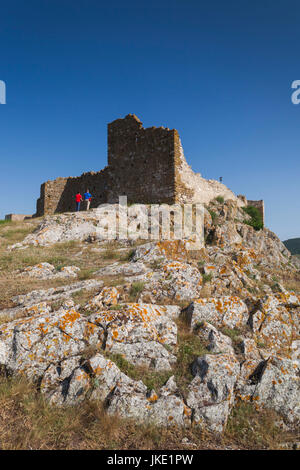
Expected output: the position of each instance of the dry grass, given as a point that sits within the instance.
(60, 254)
(27, 421)
(189, 347)
(11, 286)
(14, 232)
(251, 429)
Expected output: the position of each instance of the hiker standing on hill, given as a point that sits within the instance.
(78, 199)
(87, 199)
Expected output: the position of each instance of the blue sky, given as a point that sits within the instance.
(219, 72)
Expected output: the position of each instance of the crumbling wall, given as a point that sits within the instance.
(191, 186)
(141, 165)
(260, 205)
(17, 217)
(141, 162)
(145, 164)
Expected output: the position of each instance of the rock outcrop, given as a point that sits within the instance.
(229, 296)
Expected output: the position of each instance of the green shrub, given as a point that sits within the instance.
(233, 333)
(256, 220)
(220, 199)
(206, 278)
(212, 214)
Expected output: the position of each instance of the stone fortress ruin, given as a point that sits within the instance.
(147, 165)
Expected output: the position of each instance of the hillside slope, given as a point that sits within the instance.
(156, 344)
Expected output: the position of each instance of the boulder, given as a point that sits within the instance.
(211, 392)
(48, 271)
(229, 311)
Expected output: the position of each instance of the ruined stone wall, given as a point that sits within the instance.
(141, 161)
(141, 165)
(17, 217)
(191, 187)
(59, 195)
(260, 205)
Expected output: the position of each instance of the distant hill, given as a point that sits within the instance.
(293, 245)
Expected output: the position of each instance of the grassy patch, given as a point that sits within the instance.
(206, 278)
(86, 274)
(4, 222)
(15, 234)
(151, 378)
(253, 429)
(190, 346)
(115, 281)
(233, 333)
(110, 254)
(201, 264)
(127, 256)
(156, 264)
(292, 286)
(116, 307)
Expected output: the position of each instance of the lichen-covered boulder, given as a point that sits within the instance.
(229, 311)
(216, 341)
(166, 408)
(108, 296)
(25, 311)
(55, 293)
(144, 334)
(276, 323)
(274, 383)
(48, 271)
(98, 378)
(33, 343)
(176, 250)
(125, 269)
(173, 280)
(75, 379)
(211, 392)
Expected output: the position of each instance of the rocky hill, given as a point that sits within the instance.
(201, 345)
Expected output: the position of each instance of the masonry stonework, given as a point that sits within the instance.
(141, 162)
(146, 165)
(59, 195)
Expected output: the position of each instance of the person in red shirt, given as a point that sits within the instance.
(78, 199)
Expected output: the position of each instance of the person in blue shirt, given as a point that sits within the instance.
(87, 199)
